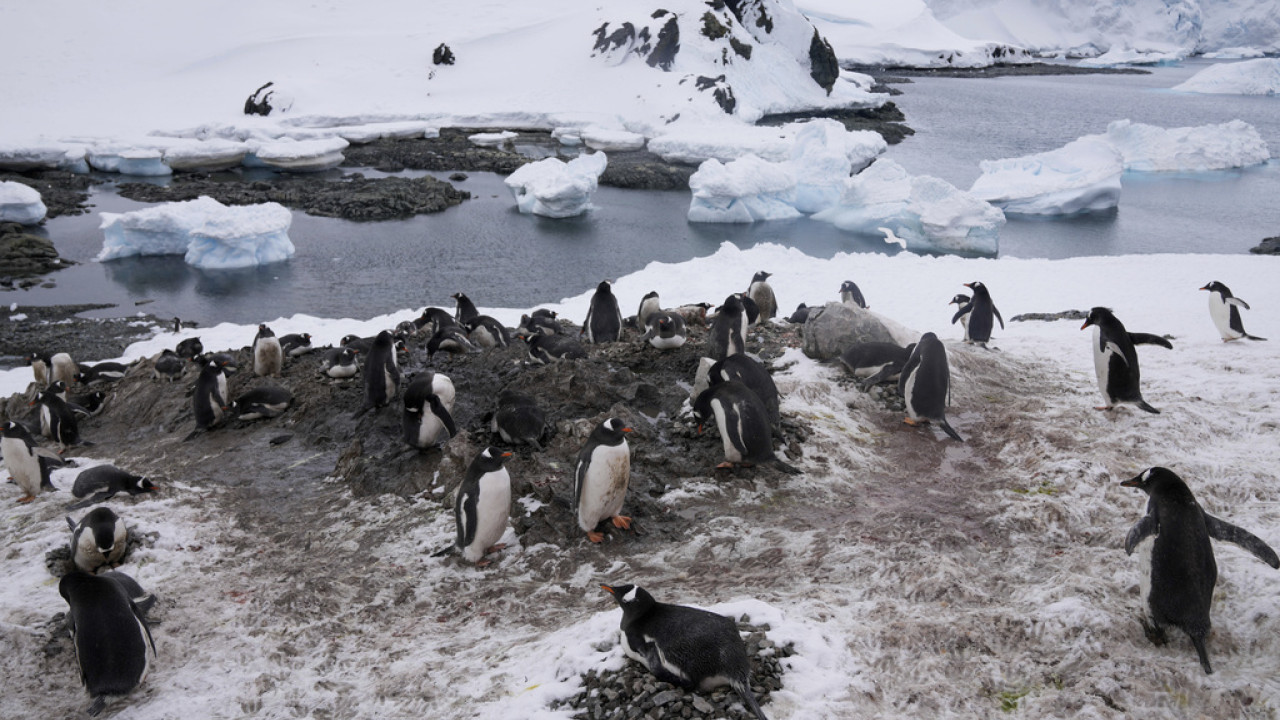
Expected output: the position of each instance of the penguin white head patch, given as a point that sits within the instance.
(630, 596)
(487, 455)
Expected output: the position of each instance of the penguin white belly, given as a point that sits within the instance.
(46, 421)
(88, 556)
(389, 384)
(442, 387)
(605, 485)
(667, 343)
(1102, 364)
(23, 465)
(493, 509)
(729, 429)
(342, 371)
(1220, 311)
(908, 393)
(222, 392)
(215, 406)
(1144, 551)
(429, 427)
(964, 323)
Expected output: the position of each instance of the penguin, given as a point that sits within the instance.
(962, 302)
(518, 419)
(428, 405)
(26, 465)
(545, 349)
(1180, 571)
(88, 404)
(190, 349)
(925, 384)
(1115, 360)
(665, 330)
(876, 362)
(361, 345)
(466, 310)
(486, 332)
(110, 634)
(268, 356)
(40, 364)
(450, 339)
(761, 293)
(649, 305)
(57, 420)
(744, 425)
(689, 647)
(296, 344)
(177, 325)
(979, 311)
(209, 403)
(695, 314)
(851, 295)
(749, 308)
(59, 389)
(339, 363)
(98, 540)
(728, 334)
(432, 319)
(103, 482)
(542, 322)
(62, 368)
(800, 316)
(483, 506)
(749, 372)
(168, 364)
(601, 476)
(103, 371)
(381, 374)
(264, 401)
(604, 319)
(1224, 308)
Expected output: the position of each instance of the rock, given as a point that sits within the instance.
(1270, 246)
(838, 326)
(824, 68)
(23, 254)
(442, 55)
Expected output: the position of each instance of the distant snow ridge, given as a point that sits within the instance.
(1251, 77)
(21, 204)
(556, 189)
(207, 233)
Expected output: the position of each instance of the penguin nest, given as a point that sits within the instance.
(632, 692)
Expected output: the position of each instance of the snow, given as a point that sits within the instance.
(555, 188)
(1083, 175)
(1251, 77)
(20, 203)
(1147, 148)
(1118, 56)
(207, 233)
(296, 155)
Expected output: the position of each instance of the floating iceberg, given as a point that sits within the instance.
(608, 140)
(556, 189)
(823, 155)
(209, 234)
(1128, 56)
(1084, 175)
(1148, 148)
(492, 139)
(21, 204)
(742, 191)
(296, 155)
(1251, 77)
(929, 214)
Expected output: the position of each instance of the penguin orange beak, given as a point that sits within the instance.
(627, 429)
(1085, 325)
(506, 454)
(1132, 482)
(969, 285)
(607, 589)
(1206, 287)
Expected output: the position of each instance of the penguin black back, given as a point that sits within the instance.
(381, 373)
(466, 310)
(728, 334)
(851, 295)
(751, 373)
(604, 319)
(106, 481)
(109, 632)
(982, 314)
(925, 384)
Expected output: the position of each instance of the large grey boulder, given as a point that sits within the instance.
(828, 333)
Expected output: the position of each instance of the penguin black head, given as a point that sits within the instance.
(977, 288)
(1098, 316)
(264, 331)
(761, 276)
(650, 294)
(459, 296)
(543, 312)
(733, 303)
(1163, 483)
(632, 599)
(1218, 287)
(605, 287)
(959, 299)
(491, 458)
(612, 431)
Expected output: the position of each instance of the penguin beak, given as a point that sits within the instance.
(506, 454)
(1206, 287)
(699, 428)
(1132, 482)
(627, 429)
(969, 285)
(607, 589)
(1085, 325)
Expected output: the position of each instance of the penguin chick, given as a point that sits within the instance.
(268, 356)
(761, 293)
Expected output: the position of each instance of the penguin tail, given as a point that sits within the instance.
(1142, 404)
(95, 708)
(444, 550)
(749, 699)
(1254, 337)
(946, 427)
(784, 467)
(1203, 653)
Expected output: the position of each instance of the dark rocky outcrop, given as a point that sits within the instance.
(824, 68)
(1270, 246)
(663, 54)
(23, 254)
(442, 55)
(830, 332)
(259, 103)
(721, 92)
(886, 120)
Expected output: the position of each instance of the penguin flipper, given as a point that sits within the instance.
(1225, 531)
(1149, 339)
(1115, 351)
(91, 500)
(879, 377)
(1141, 530)
(446, 418)
(1237, 302)
(965, 311)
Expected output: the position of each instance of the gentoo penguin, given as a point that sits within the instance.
(110, 634)
(339, 362)
(169, 365)
(665, 330)
(268, 356)
(62, 368)
(264, 401)
(749, 308)
(851, 295)
(519, 420)
(98, 540)
(39, 363)
(432, 319)
(601, 478)
(744, 425)
(1115, 360)
(649, 305)
(1179, 570)
(762, 294)
(486, 332)
(545, 349)
(542, 321)
(26, 465)
(190, 349)
(381, 373)
(483, 505)
(728, 334)
(604, 319)
(210, 403)
(103, 371)
(466, 310)
(450, 339)
(979, 312)
(296, 344)
(428, 404)
(746, 370)
(360, 344)
(876, 362)
(689, 647)
(800, 316)
(962, 302)
(57, 419)
(88, 404)
(102, 482)
(925, 384)
(695, 314)
(1224, 308)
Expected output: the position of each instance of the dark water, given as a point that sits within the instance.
(502, 258)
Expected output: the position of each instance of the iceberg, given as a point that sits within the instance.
(1084, 175)
(57, 155)
(824, 155)
(207, 233)
(204, 155)
(20, 204)
(600, 138)
(296, 155)
(556, 189)
(742, 191)
(926, 213)
(1148, 148)
(1251, 77)
(492, 139)
(1117, 56)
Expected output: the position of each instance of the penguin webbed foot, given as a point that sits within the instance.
(25, 499)
(621, 521)
(594, 536)
(1154, 633)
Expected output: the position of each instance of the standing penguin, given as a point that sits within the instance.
(28, 468)
(381, 374)
(110, 634)
(209, 403)
(649, 305)
(102, 482)
(604, 319)
(749, 372)
(1115, 361)
(962, 301)
(1180, 571)
(518, 419)
(601, 478)
(1224, 308)
(851, 295)
(57, 419)
(98, 540)
(268, 356)
(483, 505)
(925, 384)
(428, 402)
(762, 293)
(728, 334)
(466, 310)
(689, 647)
(977, 314)
(744, 424)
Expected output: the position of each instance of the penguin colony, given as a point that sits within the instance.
(692, 648)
